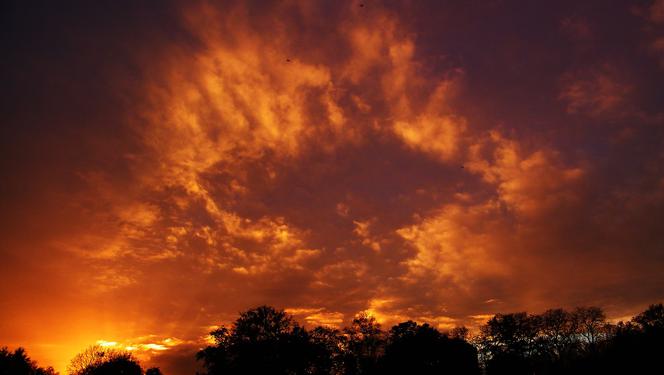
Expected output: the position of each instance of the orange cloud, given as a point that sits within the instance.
(317, 317)
(530, 183)
(453, 245)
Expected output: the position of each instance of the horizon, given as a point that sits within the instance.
(168, 164)
(148, 354)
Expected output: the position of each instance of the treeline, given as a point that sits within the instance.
(578, 342)
(268, 341)
(265, 340)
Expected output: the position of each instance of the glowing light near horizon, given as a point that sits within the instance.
(105, 343)
(143, 344)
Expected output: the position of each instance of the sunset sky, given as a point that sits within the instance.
(167, 164)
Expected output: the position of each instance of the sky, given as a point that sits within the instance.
(168, 164)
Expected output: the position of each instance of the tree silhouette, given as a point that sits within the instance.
(637, 346)
(508, 341)
(153, 371)
(328, 347)
(557, 335)
(262, 341)
(99, 360)
(366, 343)
(121, 365)
(267, 341)
(18, 363)
(651, 320)
(590, 323)
(580, 342)
(421, 349)
(461, 333)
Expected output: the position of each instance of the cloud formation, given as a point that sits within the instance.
(412, 161)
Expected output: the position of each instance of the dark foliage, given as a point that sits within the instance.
(421, 349)
(266, 341)
(262, 341)
(578, 342)
(121, 365)
(329, 349)
(18, 363)
(365, 345)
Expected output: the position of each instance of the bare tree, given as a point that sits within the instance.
(93, 356)
(590, 323)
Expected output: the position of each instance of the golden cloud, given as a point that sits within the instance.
(454, 244)
(530, 183)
